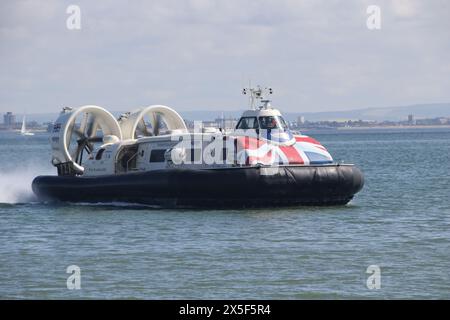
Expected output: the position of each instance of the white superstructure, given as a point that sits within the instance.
(89, 141)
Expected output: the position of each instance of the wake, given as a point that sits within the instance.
(15, 185)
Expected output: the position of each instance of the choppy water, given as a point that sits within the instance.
(400, 221)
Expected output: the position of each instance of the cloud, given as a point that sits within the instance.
(405, 8)
(318, 55)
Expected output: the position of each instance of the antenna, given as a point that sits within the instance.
(257, 94)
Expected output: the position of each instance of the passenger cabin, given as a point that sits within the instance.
(193, 150)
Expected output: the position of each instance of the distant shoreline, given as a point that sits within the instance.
(444, 126)
(18, 131)
(375, 128)
(315, 129)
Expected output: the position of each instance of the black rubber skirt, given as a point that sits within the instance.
(213, 188)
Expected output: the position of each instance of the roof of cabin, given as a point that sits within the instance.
(261, 113)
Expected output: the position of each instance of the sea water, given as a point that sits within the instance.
(398, 225)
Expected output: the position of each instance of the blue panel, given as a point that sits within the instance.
(317, 158)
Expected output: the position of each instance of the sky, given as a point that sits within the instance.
(199, 54)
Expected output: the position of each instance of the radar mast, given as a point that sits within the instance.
(257, 96)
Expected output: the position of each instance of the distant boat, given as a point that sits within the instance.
(24, 131)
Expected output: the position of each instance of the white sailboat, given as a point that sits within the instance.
(23, 130)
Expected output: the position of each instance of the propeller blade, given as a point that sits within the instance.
(81, 157)
(79, 133)
(146, 131)
(95, 139)
(83, 144)
(142, 128)
(89, 147)
(83, 123)
(92, 128)
(78, 151)
(155, 119)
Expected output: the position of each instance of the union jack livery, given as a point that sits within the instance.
(303, 151)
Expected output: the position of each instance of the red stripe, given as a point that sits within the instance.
(249, 143)
(292, 155)
(306, 139)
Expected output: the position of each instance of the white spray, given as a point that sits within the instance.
(15, 185)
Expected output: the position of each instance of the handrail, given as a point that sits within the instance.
(131, 158)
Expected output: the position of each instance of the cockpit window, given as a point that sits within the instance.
(268, 122)
(247, 123)
(272, 122)
(283, 123)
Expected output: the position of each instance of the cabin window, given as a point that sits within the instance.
(99, 154)
(247, 123)
(268, 122)
(283, 123)
(157, 155)
(272, 122)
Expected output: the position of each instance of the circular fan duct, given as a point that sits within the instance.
(150, 121)
(77, 132)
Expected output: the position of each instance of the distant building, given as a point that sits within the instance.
(9, 120)
(230, 123)
(226, 123)
(301, 120)
(210, 124)
(220, 122)
(411, 120)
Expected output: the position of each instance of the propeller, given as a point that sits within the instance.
(80, 130)
(155, 122)
(142, 128)
(156, 117)
(86, 136)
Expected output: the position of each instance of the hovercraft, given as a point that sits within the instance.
(149, 156)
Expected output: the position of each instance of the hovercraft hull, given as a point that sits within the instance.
(218, 188)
